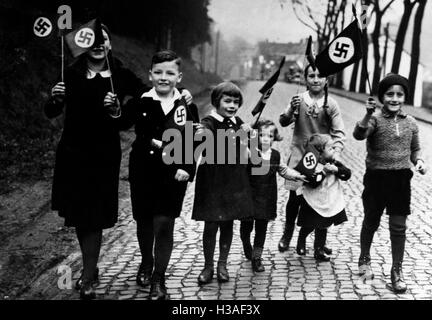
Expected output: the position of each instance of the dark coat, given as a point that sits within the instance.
(154, 190)
(264, 188)
(86, 173)
(222, 191)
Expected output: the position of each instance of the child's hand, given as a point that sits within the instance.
(156, 143)
(58, 92)
(295, 103)
(370, 105)
(246, 127)
(112, 104)
(421, 167)
(187, 96)
(181, 175)
(330, 168)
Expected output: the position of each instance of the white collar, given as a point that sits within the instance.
(309, 101)
(166, 104)
(219, 118)
(104, 74)
(153, 94)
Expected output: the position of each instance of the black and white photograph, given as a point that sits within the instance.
(223, 155)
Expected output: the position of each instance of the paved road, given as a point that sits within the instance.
(287, 275)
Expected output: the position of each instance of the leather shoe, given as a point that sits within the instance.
(205, 276)
(320, 255)
(143, 277)
(158, 291)
(327, 250)
(95, 280)
(397, 278)
(257, 265)
(301, 248)
(87, 291)
(222, 273)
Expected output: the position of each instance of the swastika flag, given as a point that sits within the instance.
(267, 89)
(85, 37)
(308, 163)
(344, 50)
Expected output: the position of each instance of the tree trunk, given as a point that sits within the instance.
(415, 50)
(400, 38)
(376, 46)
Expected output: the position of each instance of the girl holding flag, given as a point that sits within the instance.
(311, 112)
(86, 174)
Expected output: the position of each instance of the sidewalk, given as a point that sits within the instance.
(420, 113)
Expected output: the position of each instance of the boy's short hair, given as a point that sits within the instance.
(263, 123)
(225, 88)
(164, 56)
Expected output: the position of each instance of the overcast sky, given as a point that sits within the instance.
(267, 19)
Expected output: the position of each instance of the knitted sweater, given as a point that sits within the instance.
(392, 141)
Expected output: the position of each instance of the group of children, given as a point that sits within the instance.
(228, 191)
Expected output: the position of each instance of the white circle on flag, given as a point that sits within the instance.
(42, 27)
(85, 38)
(180, 116)
(309, 160)
(341, 50)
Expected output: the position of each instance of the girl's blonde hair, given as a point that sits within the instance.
(318, 141)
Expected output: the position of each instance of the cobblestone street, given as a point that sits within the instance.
(287, 275)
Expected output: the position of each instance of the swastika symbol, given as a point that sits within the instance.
(341, 50)
(42, 27)
(85, 38)
(309, 160)
(267, 95)
(180, 116)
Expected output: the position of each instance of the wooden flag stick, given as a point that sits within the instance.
(364, 33)
(62, 58)
(109, 68)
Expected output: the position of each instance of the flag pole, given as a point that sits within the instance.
(364, 33)
(109, 69)
(62, 58)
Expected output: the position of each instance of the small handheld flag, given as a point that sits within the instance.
(343, 51)
(85, 37)
(309, 55)
(267, 89)
(308, 163)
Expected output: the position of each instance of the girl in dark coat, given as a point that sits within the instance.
(222, 190)
(86, 174)
(264, 192)
(157, 186)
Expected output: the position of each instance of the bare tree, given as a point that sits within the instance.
(415, 49)
(400, 37)
(379, 13)
(322, 18)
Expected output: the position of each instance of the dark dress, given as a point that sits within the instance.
(308, 217)
(222, 191)
(154, 191)
(264, 188)
(86, 173)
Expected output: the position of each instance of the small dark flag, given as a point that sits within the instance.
(85, 37)
(343, 51)
(308, 163)
(309, 55)
(267, 89)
